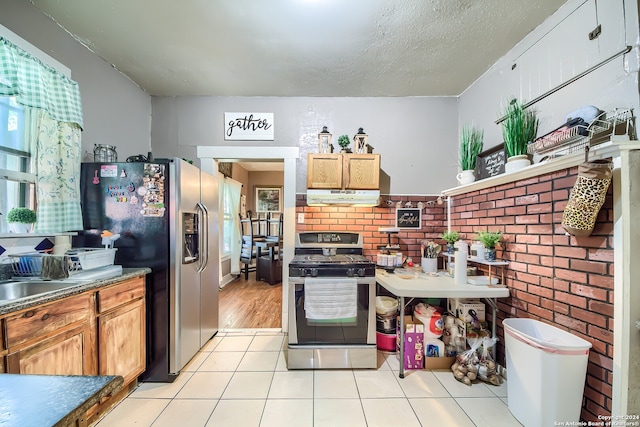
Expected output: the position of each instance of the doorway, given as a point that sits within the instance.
(210, 156)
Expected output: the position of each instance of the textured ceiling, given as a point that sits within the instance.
(300, 47)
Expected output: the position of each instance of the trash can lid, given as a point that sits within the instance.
(544, 336)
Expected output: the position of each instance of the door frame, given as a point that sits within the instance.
(209, 157)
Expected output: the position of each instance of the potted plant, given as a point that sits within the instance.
(450, 236)
(21, 219)
(519, 128)
(344, 142)
(430, 251)
(490, 239)
(470, 146)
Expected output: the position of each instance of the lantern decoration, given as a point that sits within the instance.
(324, 141)
(360, 142)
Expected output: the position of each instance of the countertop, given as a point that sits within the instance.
(10, 306)
(440, 286)
(51, 400)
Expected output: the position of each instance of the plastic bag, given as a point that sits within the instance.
(487, 368)
(465, 369)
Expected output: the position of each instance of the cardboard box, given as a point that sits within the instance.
(439, 362)
(462, 309)
(426, 362)
(413, 343)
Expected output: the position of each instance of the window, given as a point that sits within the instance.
(17, 183)
(228, 221)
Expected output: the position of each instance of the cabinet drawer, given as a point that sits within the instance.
(46, 319)
(119, 294)
(3, 344)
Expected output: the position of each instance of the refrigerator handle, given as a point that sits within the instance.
(204, 242)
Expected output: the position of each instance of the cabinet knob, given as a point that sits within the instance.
(45, 316)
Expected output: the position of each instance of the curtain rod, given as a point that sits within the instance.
(571, 80)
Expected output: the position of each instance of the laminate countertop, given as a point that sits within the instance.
(9, 306)
(51, 400)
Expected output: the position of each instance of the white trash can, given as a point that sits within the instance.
(546, 371)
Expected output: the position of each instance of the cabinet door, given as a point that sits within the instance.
(362, 171)
(60, 354)
(121, 341)
(324, 171)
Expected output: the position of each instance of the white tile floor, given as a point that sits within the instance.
(240, 379)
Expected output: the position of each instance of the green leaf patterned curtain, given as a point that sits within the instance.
(57, 161)
(55, 120)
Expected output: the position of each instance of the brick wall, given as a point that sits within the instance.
(559, 279)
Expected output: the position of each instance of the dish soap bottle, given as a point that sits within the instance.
(461, 254)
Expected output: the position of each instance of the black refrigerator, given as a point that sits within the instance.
(166, 214)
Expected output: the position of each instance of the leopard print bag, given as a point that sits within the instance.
(587, 197)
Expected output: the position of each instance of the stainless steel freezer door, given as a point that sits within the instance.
(209, 275)
(185, 282)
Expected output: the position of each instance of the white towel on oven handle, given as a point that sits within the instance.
(330, 298)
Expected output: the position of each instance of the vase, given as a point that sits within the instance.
(429, 265)
(20, 227)
(490, 254)
(466, 177)
(515, 163)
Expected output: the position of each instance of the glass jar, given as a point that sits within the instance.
(104, 153)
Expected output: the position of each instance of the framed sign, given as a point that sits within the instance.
(268, 199)
(248, 126)
(490, 162)
(409, 218)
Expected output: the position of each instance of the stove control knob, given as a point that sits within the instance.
(351, 272)
(314, 272)
(361, 272)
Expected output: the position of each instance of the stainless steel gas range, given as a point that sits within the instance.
(332, 291)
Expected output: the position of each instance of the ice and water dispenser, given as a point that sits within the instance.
(190, 226)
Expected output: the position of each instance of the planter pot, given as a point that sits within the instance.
(20, 227)
(516, 163)
(490, 254)
(429, 265)
(465, 177)
(450, 248)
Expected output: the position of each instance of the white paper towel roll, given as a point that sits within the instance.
(462, 252)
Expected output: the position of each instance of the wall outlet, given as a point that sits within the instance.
(300, 217)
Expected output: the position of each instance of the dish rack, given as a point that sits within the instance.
(49, 266)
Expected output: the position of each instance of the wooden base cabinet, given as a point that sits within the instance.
(121, 341)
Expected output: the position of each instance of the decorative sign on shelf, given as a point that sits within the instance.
(248, 126)
(490, 162)
(409, 218)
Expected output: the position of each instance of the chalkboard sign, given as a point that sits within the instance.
(409, 218)
(490, 162)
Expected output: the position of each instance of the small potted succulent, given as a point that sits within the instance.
(344, 142)
(450, 236)
(21, 220)
(490, 239)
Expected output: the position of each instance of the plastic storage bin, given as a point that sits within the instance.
(546, 370)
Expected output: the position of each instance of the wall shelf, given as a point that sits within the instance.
(600, 151)
(490, 264)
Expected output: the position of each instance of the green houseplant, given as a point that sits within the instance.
(470, 146)
(450, 236)
(519, 128)
(490, 239)
(344, 142)
(21, 219)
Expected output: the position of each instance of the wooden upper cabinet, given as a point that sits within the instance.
(343, 171)
(324, 171)
(361, 171)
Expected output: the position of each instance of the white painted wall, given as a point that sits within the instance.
(553, 53)
(416, 136)
(116, 111)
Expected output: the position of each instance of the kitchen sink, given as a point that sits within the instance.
(15, 290)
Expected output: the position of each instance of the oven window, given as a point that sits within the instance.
(352, 330)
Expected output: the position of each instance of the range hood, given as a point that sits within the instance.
(343, 197)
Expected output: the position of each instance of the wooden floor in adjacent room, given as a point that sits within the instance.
(250, 304)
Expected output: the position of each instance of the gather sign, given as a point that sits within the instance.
(248, 126)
